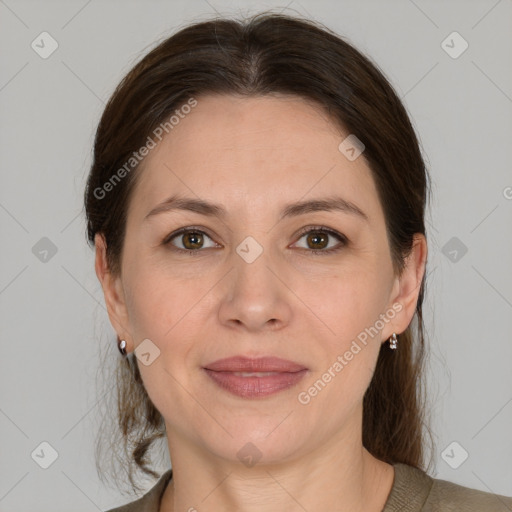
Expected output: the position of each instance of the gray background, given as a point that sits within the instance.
(53, 320)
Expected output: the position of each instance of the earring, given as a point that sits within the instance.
(121, 345)
(392, 341)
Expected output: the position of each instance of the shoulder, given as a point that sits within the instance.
(415, 491)
(150, 502)
(449, 496)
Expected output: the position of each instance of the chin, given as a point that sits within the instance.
(252, 445)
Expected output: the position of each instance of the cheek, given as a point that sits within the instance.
(158, 305)
(159, 310)
(349, 308)
(346, 302)
(348, 305)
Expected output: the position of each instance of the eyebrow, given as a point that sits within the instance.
(333, 203)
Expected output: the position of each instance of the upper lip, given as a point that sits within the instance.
(259, 364)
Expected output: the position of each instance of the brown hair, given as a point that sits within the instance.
(272, 53)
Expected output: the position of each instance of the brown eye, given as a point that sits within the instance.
(189, 240)
(318, 240)
(192, 240)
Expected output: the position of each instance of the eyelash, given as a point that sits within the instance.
(311, 229)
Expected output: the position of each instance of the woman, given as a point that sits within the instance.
(257, 203)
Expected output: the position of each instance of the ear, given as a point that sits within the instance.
(406, 288)
(112, 291)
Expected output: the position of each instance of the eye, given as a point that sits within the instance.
(191, 239)
(318, 238)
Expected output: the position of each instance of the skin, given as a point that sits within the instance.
(253, 156)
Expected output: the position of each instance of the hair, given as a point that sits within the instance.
(267, 54)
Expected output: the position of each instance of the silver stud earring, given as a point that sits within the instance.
(392, 341)
(121, 345)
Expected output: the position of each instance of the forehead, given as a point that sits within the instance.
(258, 151)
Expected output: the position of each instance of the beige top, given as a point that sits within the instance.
(413, 491)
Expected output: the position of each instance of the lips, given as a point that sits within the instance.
(252, 365)
(255, 378)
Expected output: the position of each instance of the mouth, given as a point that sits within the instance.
(255, 378)
(254, 364)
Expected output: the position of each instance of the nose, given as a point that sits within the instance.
(255, 295)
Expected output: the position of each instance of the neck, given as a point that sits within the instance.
(337, 477)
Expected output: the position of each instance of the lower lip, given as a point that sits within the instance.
(255, 387)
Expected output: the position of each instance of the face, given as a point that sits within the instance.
(253, 282)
